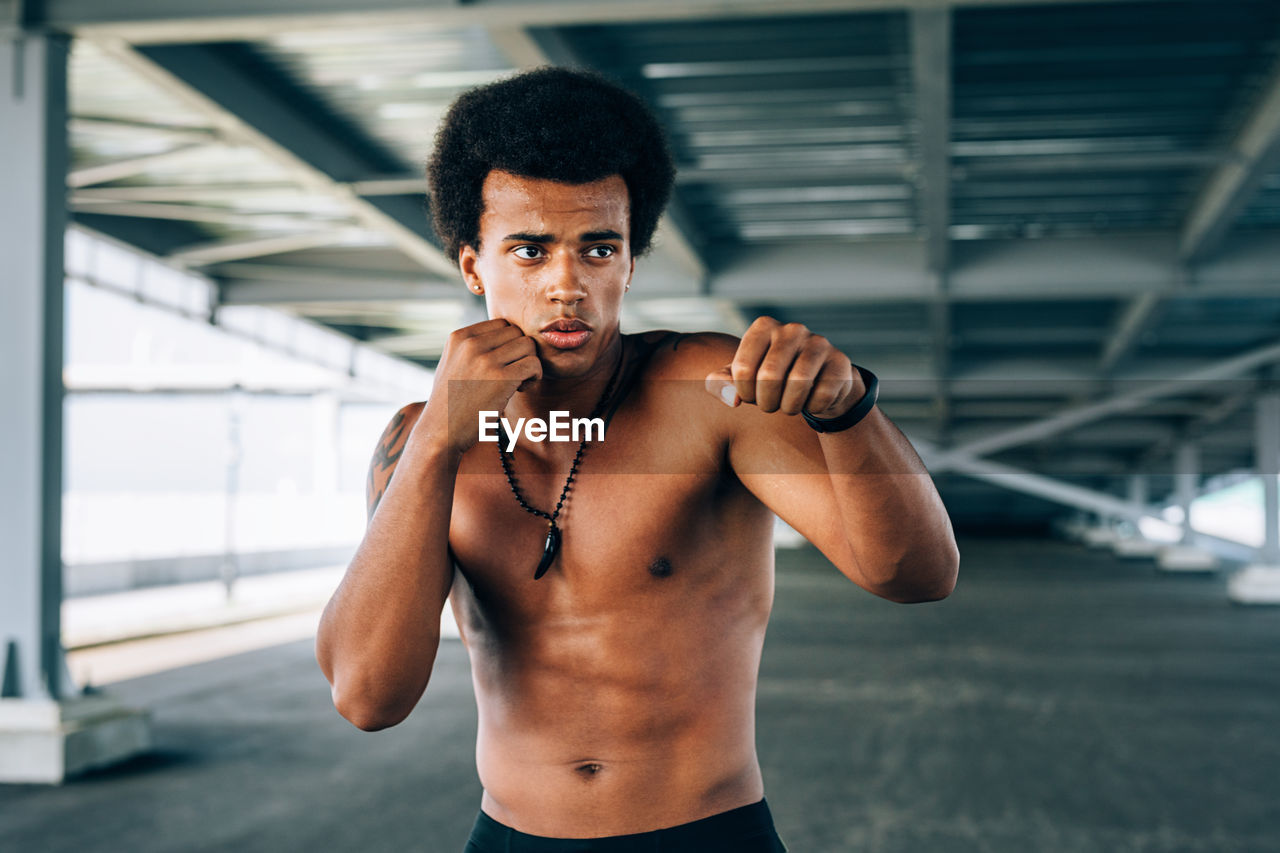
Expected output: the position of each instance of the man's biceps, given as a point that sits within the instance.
(386, 455)
(773, 443)
(376, 486)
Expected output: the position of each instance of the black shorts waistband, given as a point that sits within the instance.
(733, 830)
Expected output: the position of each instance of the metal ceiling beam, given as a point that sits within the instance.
(1256, 152)
(220, 251)
(1015, 163)
(245, 112)
(157, 237)
(184, 193)
(429, 344)
(175, 21)
(271, 291)
(676, 234)
(1117, 404)
(198, 213)
(101, 173)
(305, 273)
(390, 185)
(894, 270)
(127, 128)
(962, 169)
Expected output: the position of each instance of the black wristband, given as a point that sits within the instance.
(857, 413)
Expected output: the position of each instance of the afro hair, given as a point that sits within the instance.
(556, 124)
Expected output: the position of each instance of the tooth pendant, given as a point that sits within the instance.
(549, 549)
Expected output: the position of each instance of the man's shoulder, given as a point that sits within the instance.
(684, 355)
(407, 414)
(397, 430)
(387, 454)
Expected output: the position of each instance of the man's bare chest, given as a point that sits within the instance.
(616, 529)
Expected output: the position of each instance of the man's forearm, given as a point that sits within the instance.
(897, 528)
(378, 637)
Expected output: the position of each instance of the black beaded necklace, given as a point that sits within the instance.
(552, 544)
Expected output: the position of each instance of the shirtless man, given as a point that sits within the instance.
(616, 693)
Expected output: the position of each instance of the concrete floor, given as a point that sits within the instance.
(1060, 700)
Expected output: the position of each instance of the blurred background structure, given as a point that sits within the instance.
(1052, 228)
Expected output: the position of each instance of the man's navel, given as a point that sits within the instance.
(661, 568)
(588, 769)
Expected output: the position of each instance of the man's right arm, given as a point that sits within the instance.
(378, 637)
(379, 633)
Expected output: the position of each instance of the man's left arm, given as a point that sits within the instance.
(862, 494)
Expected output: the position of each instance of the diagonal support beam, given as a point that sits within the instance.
(102, 173)
(1138, 315)
(245, 112)
(1075, 416)
(1020, 480)
(1068, 494)
(676, 235)
(110, 126)
(1256, 153)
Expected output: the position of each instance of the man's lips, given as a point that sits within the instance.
(567, 324)
(566, 334)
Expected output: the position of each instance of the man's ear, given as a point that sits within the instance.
(631, 273)
(467, 261)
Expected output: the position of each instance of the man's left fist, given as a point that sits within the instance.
(786, 368)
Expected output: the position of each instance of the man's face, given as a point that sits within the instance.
(553, 255)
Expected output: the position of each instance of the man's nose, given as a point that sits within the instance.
(566, 286)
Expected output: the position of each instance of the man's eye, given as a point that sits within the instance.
(606, 250)
(533, 252)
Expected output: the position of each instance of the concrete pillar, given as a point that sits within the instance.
(1187, 483)
(1136, 545)
(1259, 583)
(237, 406)
(33, 160)
(48, 729)
(1267, 449)
(326, 451)
(1186, 556)
(1138, 492)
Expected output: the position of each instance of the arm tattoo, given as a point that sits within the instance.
(385, 458)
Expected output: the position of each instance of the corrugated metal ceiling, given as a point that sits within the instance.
(1084, 122)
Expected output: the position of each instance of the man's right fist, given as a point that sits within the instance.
(483, 365)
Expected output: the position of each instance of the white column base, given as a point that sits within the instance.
(45, 742)
(1099, 537)
(1256, 584)
(1136, 548)
(1186, 558)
